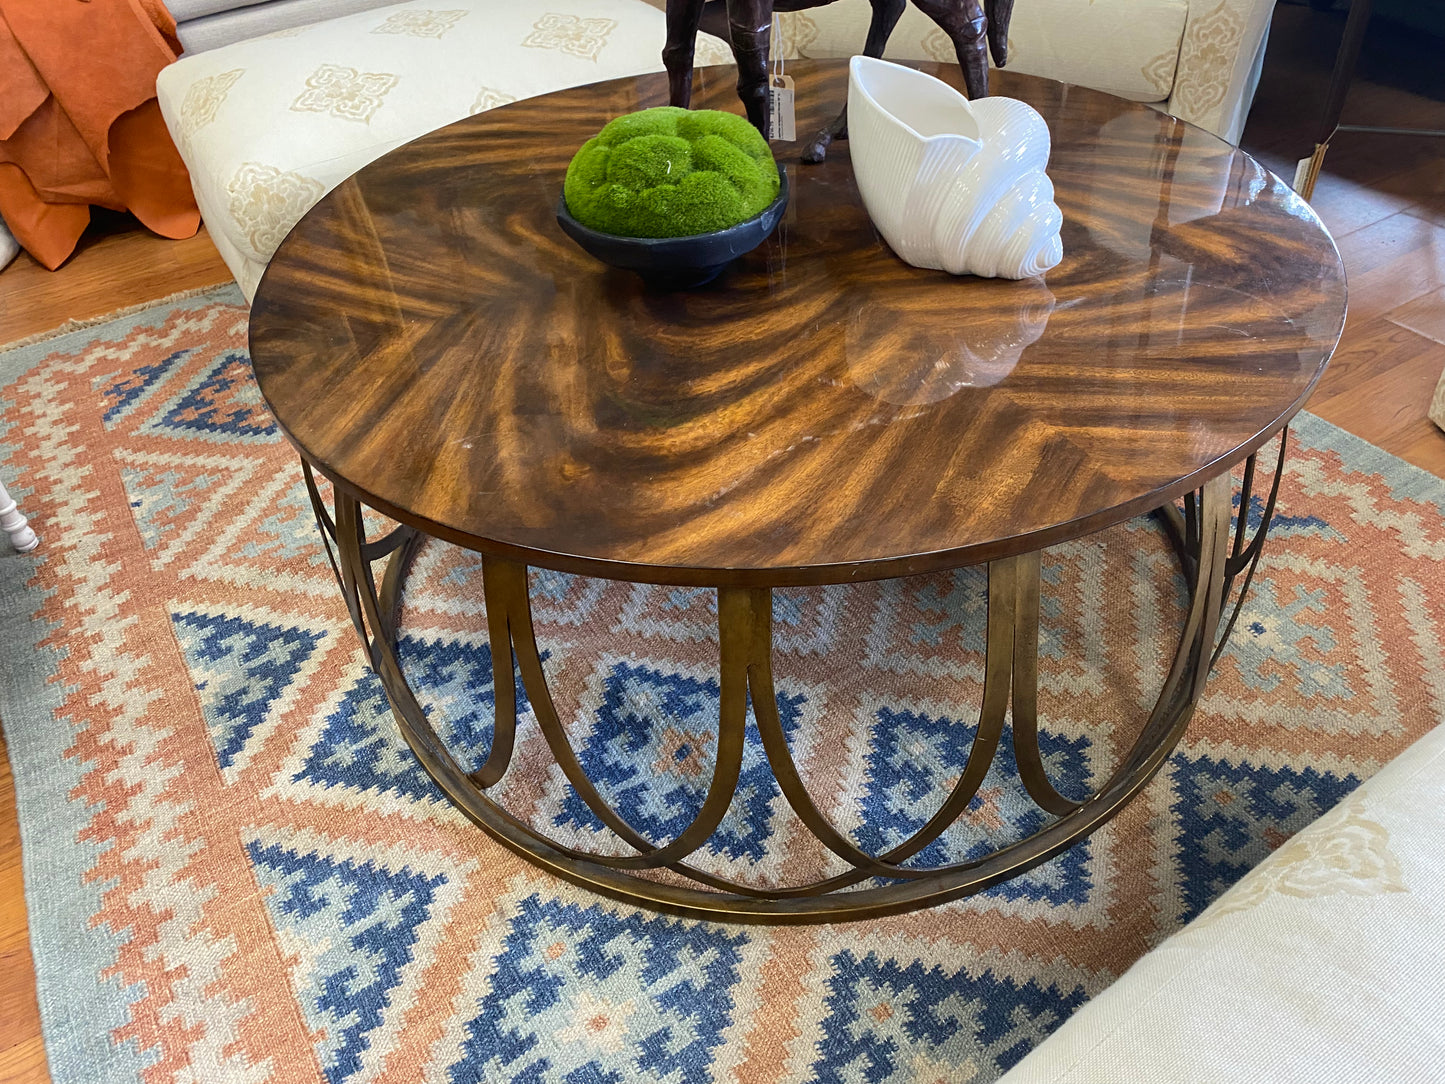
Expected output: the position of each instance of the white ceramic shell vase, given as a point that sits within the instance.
(951, 184)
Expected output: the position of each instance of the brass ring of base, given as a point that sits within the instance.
(1200, 534)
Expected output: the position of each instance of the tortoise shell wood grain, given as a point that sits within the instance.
(430, 340)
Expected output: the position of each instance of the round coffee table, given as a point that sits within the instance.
(433, 345)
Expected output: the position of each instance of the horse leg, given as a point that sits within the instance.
(966, 26)
(999, 14)
(886, 14)
(682, 19)
(750, 28)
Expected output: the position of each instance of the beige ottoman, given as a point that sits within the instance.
(268, 126)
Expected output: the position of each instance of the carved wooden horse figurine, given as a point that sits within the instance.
(749, 27)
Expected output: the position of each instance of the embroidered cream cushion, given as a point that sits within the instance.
(267, 126)
(1129, 49)
(1326, 963)
(1198, 59)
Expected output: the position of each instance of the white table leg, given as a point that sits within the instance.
(16, 525)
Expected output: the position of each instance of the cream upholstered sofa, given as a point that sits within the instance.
(1325, 964)
(1196, 59)
(268, 125)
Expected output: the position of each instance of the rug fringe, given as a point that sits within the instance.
(116, 314)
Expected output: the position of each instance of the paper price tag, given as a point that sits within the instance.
(781, 122)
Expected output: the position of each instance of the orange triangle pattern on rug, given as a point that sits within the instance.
(235, 870)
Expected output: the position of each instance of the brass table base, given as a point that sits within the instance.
(1201, 536)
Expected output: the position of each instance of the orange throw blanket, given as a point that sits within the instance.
(79, 121)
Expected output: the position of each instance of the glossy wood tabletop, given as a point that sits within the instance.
(428, 337)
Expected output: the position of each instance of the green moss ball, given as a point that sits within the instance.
(671, 172)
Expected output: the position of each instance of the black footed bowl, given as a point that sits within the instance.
(676, 263)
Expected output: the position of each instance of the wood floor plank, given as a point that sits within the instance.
(14, 933)
(1408, 436)
(1424, 446)
(19, 1012)
(1373, 158)
(24, 1063)
(1380, 381)
(1424, 315)
(1367, 348)
(111, 270)
(1392, 261)
(1345, 206)
(1382, 244)
(22, 1053)
(1424, 185)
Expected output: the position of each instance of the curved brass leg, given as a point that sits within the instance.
(745, 636)
(504, 686)
(1026, 692)
(1244, 557)
(731, 728)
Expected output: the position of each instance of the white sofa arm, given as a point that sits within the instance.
(1219, 63)
(1322, 965)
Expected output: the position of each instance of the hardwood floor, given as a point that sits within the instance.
(22, 1053)
(1383, 197)
(1380, 380)
(117, 264)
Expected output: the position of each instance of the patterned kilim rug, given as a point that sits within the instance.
(236, 872)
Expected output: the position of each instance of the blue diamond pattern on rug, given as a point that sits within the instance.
(223, 403)
(929, 625)
(448, 579)
(958, 611)
(892, 1024)
(466, 570)
(235, 924)
(1283, 634)
(1231, 816)
(288, 533)
(562, 599)
(240, 668)
(359, 747)
(915, 759)
(651, 751)
(588, 996)
(1282, 525)
(124, 391)
(957, 614)
(682, 614)
(358, 923)
(160, 498)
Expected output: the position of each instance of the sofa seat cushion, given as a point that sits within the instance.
(269, 125)
(233, 22)
(1322, 964)
(1125, 47)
